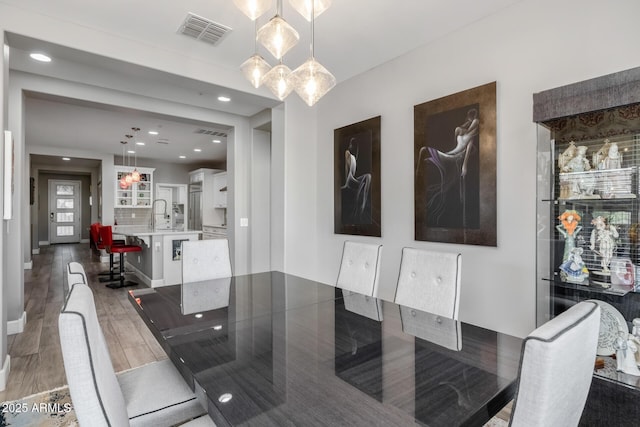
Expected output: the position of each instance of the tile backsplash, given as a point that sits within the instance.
(125, 216)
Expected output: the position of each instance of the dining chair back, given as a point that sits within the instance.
(154, 394)
(360, 267)
(75, 274)
(205, 260)
(556, 368)
(430, 281)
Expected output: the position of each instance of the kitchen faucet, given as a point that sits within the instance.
(153, 212)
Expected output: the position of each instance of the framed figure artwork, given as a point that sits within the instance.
(357, 178)
(455, 168)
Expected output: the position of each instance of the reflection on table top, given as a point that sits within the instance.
(289, 351)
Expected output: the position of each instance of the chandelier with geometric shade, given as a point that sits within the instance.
(311, 81)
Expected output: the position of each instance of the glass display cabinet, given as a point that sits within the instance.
(588, 226)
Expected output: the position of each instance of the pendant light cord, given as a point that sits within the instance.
(313, 18)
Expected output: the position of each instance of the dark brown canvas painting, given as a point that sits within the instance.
(455, 168)
(357, 178)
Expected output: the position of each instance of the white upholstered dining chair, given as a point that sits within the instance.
(360, 267)
(205, 260)
(556, 368)
(430, 281)
(152, 395)
(75, 274)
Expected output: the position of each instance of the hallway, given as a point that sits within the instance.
(36, 358)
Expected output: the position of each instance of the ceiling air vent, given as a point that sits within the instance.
(163, 141)
(210, 132)
(203, 29)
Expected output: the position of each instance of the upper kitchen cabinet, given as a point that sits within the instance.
(136, 195)
(220, 190)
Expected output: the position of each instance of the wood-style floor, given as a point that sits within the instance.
(36, 358)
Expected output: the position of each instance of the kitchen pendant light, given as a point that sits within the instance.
(255, 68)
(253, 8)
(123, 180)
(304, 7)
(277, 36)
(135, 175)
(311, 80)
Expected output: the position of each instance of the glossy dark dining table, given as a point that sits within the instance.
(274, 349)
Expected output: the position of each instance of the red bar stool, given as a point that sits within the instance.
(96, 243)
(107, 240)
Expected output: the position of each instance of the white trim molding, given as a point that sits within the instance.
(28, 265)
(4, 373)
(35, 251)
(17, 326)
(43, 243)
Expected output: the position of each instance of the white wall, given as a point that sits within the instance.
(532, 46)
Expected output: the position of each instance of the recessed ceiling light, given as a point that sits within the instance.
(66, 159)
(131, 152)
(198, 316)
(216, 141)
(217, 328)
(139, 143)
(40, 57)
(153, 132)
(224, 99)
(197, 150)
(182, 157)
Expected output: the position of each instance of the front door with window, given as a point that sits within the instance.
(64, 211)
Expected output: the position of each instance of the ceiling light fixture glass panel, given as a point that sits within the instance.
(277, 80)
(254, 69)
(304, 7)
(312, 81)
(253, 8)
(277, 36)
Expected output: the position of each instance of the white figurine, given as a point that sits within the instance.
(604, 236)
(613, 159)
(579, 163)
(567, 155)
(625, 355)
(574, 268)
(600, 155)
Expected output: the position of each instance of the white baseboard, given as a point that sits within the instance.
(35, 251)
(17, 326)
(84, 240)
(43, 243)
(28, 265)
(4, 373)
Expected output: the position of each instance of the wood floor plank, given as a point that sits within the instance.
(22, 378)
(50, 373)
(28, 342)
(139, 356)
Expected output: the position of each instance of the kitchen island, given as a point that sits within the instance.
(159, 263)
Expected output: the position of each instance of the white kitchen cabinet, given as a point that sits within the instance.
(220, 190)
(137, 195)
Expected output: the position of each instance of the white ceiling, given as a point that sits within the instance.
(351, 37)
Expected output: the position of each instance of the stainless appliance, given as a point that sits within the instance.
(195, 206)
